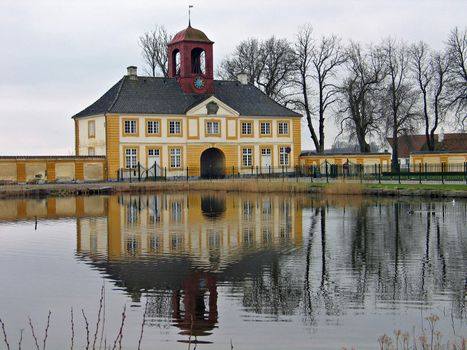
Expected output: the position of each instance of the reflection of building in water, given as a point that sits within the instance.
(52, 208)
(183, 244)
(178, 224)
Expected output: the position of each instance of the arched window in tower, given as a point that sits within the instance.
(176, 61)
(198, 61)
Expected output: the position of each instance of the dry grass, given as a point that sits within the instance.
(343, 188)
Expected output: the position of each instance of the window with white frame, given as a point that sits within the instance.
(265, 128)
(131, 158)
(130, 126)
(284, 155)
(153, 127)
(175, 127)
(154, 152)
(265, 151)
(212, 128)
(175, 158)
(247, 128)
(247, 156)
(283, 128)
(91, 129)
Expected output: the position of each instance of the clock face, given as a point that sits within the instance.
(199, 83)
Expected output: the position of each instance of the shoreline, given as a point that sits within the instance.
(244, 185)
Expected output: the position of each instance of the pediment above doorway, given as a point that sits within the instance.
(212, 106)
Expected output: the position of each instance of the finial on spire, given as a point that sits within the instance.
(189, 15)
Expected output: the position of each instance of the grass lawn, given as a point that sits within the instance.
(433, 187)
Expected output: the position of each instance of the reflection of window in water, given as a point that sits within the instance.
(266, 235)
(155, 244)
(93, 234)
(176, 211)
(248, 235)
(176, 241)
(284, 233)
(131, 245)
(247, 210)
(154, 211)
(267, 210)
(132, 213)
(284, 208)
(214, 239)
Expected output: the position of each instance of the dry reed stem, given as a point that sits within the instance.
(4, 335)
(120, 331)
(33, 334)
(142, 325)
(72, 330)
(46, 330)
(98, 318)
(87, 329)
(20, 338)
(103, 317)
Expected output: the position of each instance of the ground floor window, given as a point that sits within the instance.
(175, 158)
(247, 157)
(284, 155)
(131, 158)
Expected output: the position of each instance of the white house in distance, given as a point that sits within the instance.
(189, 120)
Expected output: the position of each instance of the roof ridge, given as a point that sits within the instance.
(117, 95)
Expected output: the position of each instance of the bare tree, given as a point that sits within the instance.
(245, 59)
(278, 70)
(457, 74)
(360, 115)
(269, 65)
(154, 45)
(317, 65)
(430, 70)
(399, 100)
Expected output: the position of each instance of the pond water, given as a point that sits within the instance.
(213, 271)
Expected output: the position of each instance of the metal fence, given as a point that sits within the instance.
(325, 172)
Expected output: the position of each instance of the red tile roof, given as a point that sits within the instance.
(454, 142)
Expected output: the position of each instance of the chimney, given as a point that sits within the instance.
(441, 135)
(242, 78)
(132, 72)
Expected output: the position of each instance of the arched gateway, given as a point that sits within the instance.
(212, 163)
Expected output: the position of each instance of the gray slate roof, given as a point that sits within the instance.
(148, 95)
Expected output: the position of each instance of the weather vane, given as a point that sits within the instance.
(189, 14)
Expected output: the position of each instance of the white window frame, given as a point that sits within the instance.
(131, 158)
(153, 127)
(176, 158)
(283, 128)
(247, 156)
(130, 127)
(284, 158)
(265, 128)
(212, 128)
(247, 128)
(175, 127)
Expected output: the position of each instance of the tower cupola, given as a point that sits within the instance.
(191, 61)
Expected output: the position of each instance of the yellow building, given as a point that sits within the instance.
(367, 160)
(188, 121)
(432, 161)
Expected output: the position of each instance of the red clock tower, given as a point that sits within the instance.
(191, 61)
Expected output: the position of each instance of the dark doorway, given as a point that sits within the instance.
(212, 164)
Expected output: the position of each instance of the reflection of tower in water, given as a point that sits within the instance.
(174, 248)
(190, 312)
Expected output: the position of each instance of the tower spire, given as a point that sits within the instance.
(189, 15)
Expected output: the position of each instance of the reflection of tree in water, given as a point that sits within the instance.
(159, 309)
(393, 253)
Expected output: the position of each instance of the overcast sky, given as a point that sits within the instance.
(59, 56)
